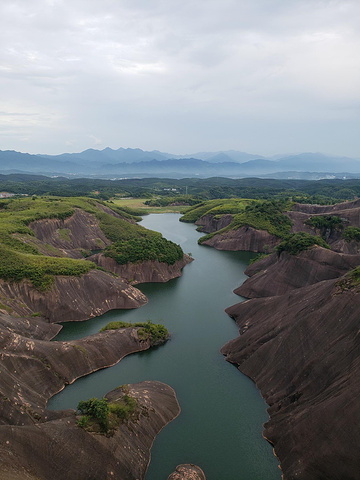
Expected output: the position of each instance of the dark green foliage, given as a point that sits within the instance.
(325, 222)
(124, 408)
(156, 332)
(100, 415)
(178, 200)
(83, 421)
(262, 215)
(96, 409)
(19, 260)
(267, 215)
(298, 242)
(302, 191)
(351, 233)
(137, 250)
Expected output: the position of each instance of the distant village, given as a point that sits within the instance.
(8, 195)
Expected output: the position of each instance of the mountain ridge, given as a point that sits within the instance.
(127, 161)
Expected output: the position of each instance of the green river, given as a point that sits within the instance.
(222, 412)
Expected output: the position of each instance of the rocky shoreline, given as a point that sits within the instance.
(36, 443)
(299, 342)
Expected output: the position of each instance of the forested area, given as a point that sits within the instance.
(186, 189)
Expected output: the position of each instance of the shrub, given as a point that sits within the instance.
(325, 222)
(261, 215)
(96, 409)
(99, 414)
(157, 333)
(298, 242)
(351, 233)
(137, 250)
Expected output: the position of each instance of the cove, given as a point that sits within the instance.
(222, 412)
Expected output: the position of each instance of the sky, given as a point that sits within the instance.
(180, 76)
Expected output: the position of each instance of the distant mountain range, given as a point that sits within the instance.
(128, 162)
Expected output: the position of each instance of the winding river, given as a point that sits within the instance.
(220, 424)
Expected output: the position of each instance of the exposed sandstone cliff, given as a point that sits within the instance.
(59, 449)
(81, 232)
(349, 212)
(244, 238)
(326, 209)
(36, 443)
(72, 298)
(32, 369)
(144, 272)
(250, 239)
(70, 236)
(302, 349)
(212, 223)
(276, 275)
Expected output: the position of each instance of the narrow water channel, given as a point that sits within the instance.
(220, 424)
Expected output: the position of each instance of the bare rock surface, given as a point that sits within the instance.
(303, 351)
(59, 449)
(313, 209)
(79, 232)
(36, 443)
(72, 298)
(144, 272)
(187, 471)
(244, 238)
(348, 212)
(276, 275)
(211, 223)
(33, 370)
(39, 444)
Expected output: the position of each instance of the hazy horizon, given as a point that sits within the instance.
(262, 77)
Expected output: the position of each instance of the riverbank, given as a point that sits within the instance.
(220, 426)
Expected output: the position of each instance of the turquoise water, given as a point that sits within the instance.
(222, 412)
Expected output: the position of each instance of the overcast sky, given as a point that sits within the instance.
(181, 76)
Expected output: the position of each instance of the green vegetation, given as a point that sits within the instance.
(262, 215)
(64, 234)
(298, 242)
(40, 270)
(354, 275)
(259, 256)
(98, 415)
(214, 207)
(325, 223)
(20, 259)
(124, 408)
(137, 250)
(6, 308)
(179, 200)
(302, 191)
(157, 333)
(140, 206)
(351, 233)
(96, 410)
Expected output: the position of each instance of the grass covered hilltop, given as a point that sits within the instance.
(23, 256)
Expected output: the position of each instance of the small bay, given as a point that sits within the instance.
(220, 424)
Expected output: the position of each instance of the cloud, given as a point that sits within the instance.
(180, 75)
